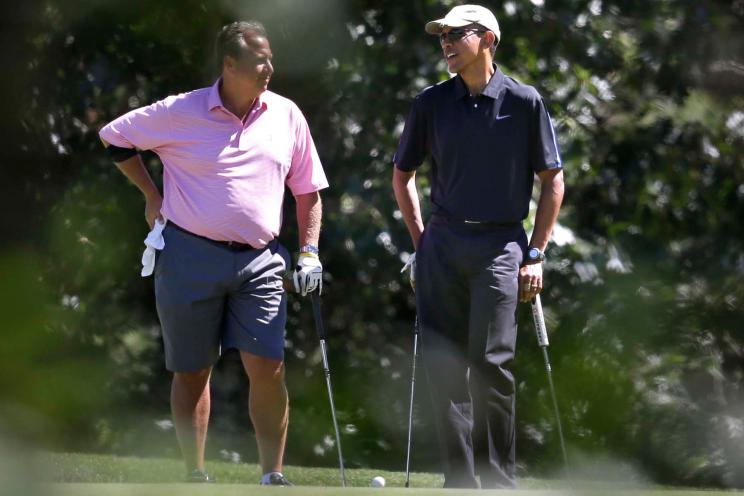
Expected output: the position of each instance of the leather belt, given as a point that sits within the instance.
(230, 245)
(476, 223)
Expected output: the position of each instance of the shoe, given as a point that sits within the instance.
(276, 479)
(199, 476)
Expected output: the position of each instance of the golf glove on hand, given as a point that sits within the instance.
(308, 275)
(411, 267)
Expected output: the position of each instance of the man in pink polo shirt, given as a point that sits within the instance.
(227, 152)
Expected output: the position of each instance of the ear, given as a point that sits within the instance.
(489, 39)
(228, 63)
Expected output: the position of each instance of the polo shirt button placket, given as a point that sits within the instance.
(242, 132)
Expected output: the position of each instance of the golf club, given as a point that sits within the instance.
(410, 408)
(315, 297)
(542, 341)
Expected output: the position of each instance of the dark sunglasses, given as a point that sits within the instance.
(458, 34)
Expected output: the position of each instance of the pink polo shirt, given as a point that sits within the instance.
(222, 178)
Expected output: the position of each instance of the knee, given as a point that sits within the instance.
(263, 370)
(494, 375)
(195, 382)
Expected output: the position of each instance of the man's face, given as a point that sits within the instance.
(253, 67)
(460, 46)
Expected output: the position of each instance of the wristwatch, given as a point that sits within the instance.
(534, 255)
(308, 248)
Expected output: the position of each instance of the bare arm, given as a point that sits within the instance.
(551, 197)
(137, 174)
(309, 214)
(406, 194)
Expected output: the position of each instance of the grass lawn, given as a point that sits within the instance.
(104, 475)
(76, 468)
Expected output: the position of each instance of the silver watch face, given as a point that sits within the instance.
(533, 254)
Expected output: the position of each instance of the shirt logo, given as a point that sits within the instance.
(502, 117)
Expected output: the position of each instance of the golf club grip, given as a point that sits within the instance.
(538, 317)
(315, 298)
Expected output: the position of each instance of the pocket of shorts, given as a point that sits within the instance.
(286, 272)
(159, 254)
(158, 262)
(284, 253)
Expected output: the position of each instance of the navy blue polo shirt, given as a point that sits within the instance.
(484, 150)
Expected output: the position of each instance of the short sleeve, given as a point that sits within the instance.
(412, 148)
(145, 128)
(543, 147)
(306, 173)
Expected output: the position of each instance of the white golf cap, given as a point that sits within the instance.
(464, 15)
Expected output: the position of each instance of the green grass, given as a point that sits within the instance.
(105, 475)
(73, 467)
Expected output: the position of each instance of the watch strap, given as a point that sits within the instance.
(308, 248)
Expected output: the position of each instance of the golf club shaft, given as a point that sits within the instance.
(315, 297)
(542, 340)
(410, 407)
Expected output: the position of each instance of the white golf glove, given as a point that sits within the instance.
(411, 267)
(308, 275)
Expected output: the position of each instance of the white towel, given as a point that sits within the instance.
(153, 241)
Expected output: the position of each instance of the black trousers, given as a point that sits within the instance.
(466, 297)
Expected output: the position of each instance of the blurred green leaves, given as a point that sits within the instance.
(49, 385)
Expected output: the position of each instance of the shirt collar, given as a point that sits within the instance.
(492, 89)
(461, 89)
(214, 100)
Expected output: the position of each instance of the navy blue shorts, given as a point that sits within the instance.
(210, 298)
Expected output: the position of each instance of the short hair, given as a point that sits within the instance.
(231, 40)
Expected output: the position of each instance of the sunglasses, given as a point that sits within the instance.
(458, 33)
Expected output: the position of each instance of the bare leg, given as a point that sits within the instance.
(268, 406)
(190, 404)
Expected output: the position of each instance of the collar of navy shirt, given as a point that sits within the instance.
(492, 89)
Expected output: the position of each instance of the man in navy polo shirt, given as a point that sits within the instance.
(486, 136)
